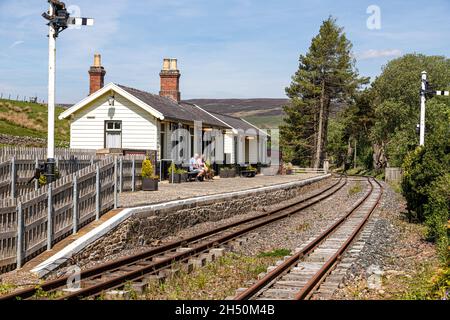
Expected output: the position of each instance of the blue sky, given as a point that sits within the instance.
(226, 48)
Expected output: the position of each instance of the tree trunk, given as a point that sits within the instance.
(318, 151)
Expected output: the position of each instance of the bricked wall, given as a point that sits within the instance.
(96, 79)
(170, 85)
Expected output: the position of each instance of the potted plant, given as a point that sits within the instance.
(289, 168)
(183, 174)
(174, 175)
(224, 173)
(231, 173)
(149, 179)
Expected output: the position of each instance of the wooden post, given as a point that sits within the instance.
(115, 182)
(120, 174)
(20, 229)
(75, 204)
(36, 182)
(49, 218)
(13, 178)
(133, 175)
(97, 193)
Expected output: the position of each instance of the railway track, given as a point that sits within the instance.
(190, 251)
(299, 276)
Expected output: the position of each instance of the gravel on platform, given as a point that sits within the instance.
(169, 192)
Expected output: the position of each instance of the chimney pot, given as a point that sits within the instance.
(96, 75)
(166, 64)
(97, 60)
(173, 64)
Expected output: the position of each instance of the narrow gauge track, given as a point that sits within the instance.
(136, 267)
(300, 275)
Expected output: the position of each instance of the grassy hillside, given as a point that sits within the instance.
(264, 113)
(26, 119)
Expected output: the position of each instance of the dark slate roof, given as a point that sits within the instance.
(234, 122)
(172, 110)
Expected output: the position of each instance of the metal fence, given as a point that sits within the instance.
(7, 152)
(34, 222)
(16, 172)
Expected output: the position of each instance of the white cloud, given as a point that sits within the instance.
(15, 44)
(374, 54)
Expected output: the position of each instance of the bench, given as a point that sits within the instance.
(191, 176)
(248, 173)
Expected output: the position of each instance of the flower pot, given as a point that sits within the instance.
(184, 177)
(224, 173)
(232, 173)
(149, 184)
(176, 178)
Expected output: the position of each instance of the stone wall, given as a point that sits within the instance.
(22, 141)
(149, 225)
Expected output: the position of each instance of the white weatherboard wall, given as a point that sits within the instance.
(229, 145)
(139, 128)
(253, 150)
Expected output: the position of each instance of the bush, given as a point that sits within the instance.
(147, 169)
(437, 213)
(425, 186)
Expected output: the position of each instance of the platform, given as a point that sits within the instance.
(168, 191)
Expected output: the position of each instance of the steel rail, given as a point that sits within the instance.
(154, 266)
(288, 263)
(319, 276)
(97, 271)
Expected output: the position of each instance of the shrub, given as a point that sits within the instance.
(172, 168)
(437, 213)
(147, 169)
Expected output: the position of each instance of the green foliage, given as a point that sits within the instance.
(277, 253)
(180, 171)
(30, 119)
(326, 73)
(426, 177)
(42, 180)
(437, 213)
(251, 168)
(396, 102)
(147, 169)
(172, 168)
(337, 145)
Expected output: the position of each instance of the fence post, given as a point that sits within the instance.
(97, 193)
(49, 217)
(36, 182)
(133, 174)
(115, 182)
(75, 204)
(120, 174)
(20, 227)
(13, 178)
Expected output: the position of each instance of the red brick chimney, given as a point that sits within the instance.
(170, 80)
(96, 75)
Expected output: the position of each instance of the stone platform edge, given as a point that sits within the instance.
(65, 254)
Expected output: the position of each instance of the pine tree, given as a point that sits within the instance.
(326, 75)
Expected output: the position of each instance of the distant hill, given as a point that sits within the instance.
(26, 119)
(264, 113)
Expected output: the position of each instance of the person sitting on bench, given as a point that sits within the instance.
(208, 172)
(194, 167)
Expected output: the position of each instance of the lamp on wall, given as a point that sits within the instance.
(111, 99)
